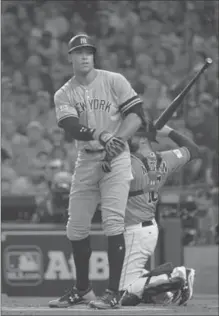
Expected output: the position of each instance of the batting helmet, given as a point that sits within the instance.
(81, 40)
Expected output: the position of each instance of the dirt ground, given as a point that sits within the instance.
(199, 305)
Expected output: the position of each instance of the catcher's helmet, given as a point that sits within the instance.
(81, 40)
(148, 132)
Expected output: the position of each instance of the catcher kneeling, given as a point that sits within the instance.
(165, 284)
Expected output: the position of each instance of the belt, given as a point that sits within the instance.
(147, 223)
(89, 151)
(135, 193)
(140, 225)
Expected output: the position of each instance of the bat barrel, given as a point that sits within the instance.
(167, 114)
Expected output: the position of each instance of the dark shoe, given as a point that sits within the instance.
(130, 299)
(73, 297)
(187, 290)
(176, 296)
(175, 282)
(109, 300)
(158, 288)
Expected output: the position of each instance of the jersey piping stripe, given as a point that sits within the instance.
(129, 103)
(122, 282)
(65, 116)
(132, 105)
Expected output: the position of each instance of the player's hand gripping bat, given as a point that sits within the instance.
(168, 113)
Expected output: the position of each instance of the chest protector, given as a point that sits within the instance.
(152, 163)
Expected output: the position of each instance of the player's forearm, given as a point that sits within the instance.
(78, 131)
(183, 141)
(129, 126)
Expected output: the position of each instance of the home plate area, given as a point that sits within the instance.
(199, 305)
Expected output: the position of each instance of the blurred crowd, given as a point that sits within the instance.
(157, 45)
(198, 211)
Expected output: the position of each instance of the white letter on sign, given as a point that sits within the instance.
(57, 267)
(99, 269)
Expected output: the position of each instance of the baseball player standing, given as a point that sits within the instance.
(150, 171)
(101, 111)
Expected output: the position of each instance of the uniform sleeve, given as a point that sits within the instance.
(63, 107)
(176, 158)
(126, 95)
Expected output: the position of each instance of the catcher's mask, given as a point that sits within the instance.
(152, 161)
(148, 132)
(60, 190)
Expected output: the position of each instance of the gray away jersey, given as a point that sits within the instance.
(142, 207)
(100, 105)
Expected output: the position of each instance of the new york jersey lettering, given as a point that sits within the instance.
(99, 105)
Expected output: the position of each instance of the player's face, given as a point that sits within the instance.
(82, 60)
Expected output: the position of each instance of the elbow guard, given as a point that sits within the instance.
(78, 131)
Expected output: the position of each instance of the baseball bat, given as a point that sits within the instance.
(167, 114)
